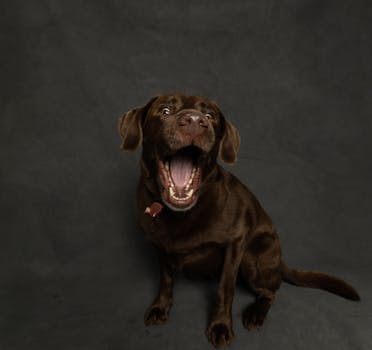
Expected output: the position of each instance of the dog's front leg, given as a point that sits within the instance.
(158, 311)
(219, 331)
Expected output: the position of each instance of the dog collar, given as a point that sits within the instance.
(154, 209)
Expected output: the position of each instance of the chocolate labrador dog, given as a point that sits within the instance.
(201, 218)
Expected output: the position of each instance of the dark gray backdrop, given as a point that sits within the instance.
(293, 76)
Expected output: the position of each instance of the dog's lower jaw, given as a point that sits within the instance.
(174, 208)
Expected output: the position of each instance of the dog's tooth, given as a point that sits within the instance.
(188, 184)
(190, 179)
(189, 193)
(167, 166)
(172, 192)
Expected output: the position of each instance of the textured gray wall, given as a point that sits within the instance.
(294, 76)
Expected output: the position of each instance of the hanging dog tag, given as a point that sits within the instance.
(154, 209)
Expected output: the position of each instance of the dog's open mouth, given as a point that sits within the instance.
(180, 176)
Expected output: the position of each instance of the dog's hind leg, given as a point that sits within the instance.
(260, 270)
(255, 314)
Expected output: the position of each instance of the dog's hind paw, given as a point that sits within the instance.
(156, 315)
(254, 315)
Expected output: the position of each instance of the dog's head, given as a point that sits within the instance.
(182, 136)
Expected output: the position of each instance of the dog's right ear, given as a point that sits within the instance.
(130, 126)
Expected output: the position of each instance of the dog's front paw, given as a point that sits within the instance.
(156, 314)
(219, 333)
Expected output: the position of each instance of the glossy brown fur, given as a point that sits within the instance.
(227, 232)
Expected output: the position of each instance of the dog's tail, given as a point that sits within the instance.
(319, 280)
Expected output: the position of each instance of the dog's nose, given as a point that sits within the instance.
(193, 120)
(193, 123)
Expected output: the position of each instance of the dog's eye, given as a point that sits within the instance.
(208, 115)
(166, 110)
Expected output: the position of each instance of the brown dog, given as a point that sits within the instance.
(201, 218)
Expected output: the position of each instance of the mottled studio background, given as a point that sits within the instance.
(294, 76)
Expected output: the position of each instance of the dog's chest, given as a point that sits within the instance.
(184, 234)
(204, 261)
(188, 245)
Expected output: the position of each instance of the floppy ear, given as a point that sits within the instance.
(130, 126)
(229, 144)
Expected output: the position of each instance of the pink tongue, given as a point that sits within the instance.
(180, 169)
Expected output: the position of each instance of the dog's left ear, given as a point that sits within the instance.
(229, 144)
(130, 126)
